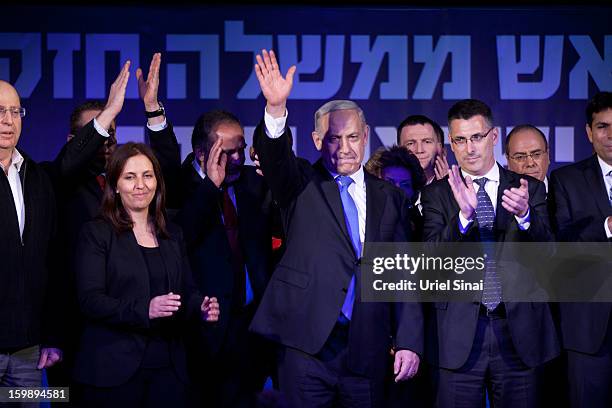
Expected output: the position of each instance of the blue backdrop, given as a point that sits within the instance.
(531, 65)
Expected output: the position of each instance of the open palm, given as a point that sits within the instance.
(275, 88)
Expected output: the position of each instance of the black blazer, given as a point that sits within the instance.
(304, 298)
(113, 292)
(209, 249)
(580, 205)
(451, 327)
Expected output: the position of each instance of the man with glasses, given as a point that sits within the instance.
(27, 224)
(226, 224)
(487, 345)
(527, 152)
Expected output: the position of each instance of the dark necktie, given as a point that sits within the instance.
(101, 181)
(485, 214)
(230, 220)
(351, 217)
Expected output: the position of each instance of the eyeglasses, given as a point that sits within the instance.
(477, 138)
(522, 157)
(15, 112)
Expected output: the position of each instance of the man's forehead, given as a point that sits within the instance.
(417, 131)
(8, 95)
(469, 126)
(604, 116)
(340, 119)
(526, 140)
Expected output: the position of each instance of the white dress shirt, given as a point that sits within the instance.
(15, 183)
(491, 189)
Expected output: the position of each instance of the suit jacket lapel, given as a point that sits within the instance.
(375, 206)
(594, 179)
(502, 216)
(331, 193)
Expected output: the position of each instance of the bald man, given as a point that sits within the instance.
(27, 220)
(527, 152)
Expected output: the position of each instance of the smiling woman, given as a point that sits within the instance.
(135, 291)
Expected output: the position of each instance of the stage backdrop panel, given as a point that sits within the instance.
(531, 65)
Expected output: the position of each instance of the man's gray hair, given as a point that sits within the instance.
(337, 105)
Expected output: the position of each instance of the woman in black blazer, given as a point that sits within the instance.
(135, 290)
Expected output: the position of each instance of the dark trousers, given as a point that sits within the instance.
(492, 366)
(323, 380)
(148, 388)
(237, 373)
(590, 376)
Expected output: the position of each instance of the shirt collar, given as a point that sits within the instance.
(358, 176)
(605, 167)
(16, 160)
(492, 175)
(198, 169)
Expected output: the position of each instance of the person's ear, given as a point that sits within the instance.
(317, 140)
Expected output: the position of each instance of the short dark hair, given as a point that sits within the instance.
(601, 101)
(468, 108)
(205, 126)
(75, 116)
(397, 156)
(420, 120)
(520, 128)
(112, 207)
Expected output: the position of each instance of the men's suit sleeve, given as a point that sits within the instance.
(282, 171)
(91, 270)
(437, 226)
(199, 212)
(75, 158)
(539, 229)
(566, 227)
(408, 316)
(168, 153)
(57, 291)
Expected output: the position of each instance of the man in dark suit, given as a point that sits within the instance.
(582, 205)
(334, 348)
(226, 222)
(489, 345)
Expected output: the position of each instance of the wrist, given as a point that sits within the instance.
(468, 215)
(276, 111)
(152, 106)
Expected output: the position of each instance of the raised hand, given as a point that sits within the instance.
(147, 88)
(164, 305)
(210, 309)
(441, 167)
(274, 87)
(216, 162)
(405, 365)
(516, 200)
(464, 193)
(116, 97)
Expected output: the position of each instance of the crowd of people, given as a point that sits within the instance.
(138, 280)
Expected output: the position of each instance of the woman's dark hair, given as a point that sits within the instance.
(397, 156)
(112, 207)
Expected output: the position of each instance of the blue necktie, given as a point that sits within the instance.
(485, 214)
(351, 216)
